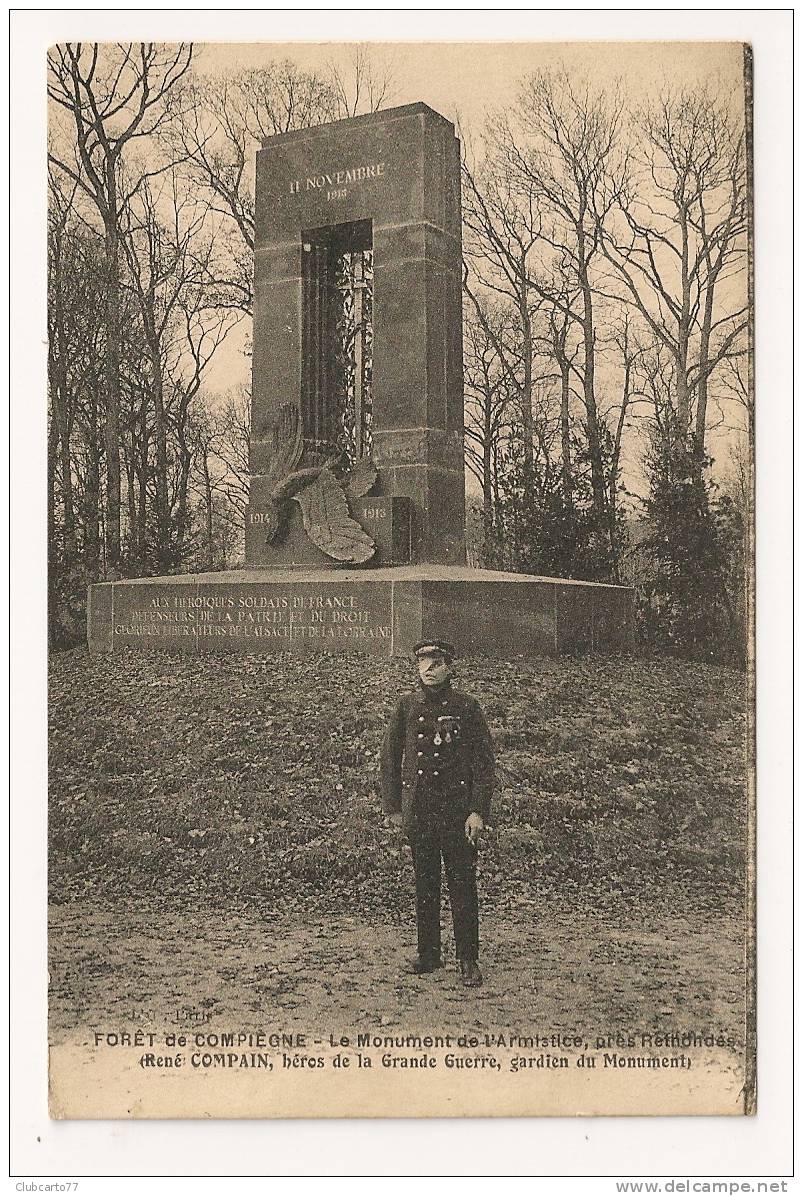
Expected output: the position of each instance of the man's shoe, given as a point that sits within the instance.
(421, 964)
(470, 973)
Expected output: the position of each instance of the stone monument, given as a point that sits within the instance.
(386, 188)
(355, 527)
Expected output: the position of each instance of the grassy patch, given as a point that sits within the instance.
(237, 776)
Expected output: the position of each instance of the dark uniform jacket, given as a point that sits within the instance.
(437, 747)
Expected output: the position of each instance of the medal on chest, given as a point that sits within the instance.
(447, 731)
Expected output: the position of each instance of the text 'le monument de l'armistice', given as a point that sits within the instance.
(355, 527)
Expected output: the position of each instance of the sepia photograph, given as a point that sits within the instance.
(401, 591)
(400, 579)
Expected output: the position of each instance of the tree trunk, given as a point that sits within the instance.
(567, 481)
(210, 559)
(500, 541)
(589, 391)
(184, 467)
(57, 369)
(52, 588)
(703, 363)
(134, 543)
(613, 474)
(142, 478)
(683, 398)
(111, 425)
(91, 511)
(68, 505)
(163, 555)
(527, 428)
(487, 490)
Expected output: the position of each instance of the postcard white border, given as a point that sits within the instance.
(759, 1146)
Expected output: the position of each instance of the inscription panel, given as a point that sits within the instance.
(333, 182)
(526, 617)
(255, 617)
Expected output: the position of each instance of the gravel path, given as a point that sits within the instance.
(550, 967)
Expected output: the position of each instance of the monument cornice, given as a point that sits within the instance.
(382, 116)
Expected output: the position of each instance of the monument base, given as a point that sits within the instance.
(379, 611)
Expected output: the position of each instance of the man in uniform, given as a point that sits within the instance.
(437, 780)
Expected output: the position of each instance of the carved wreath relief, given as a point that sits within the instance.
(322, 496)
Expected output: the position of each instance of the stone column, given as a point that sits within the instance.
(418, 348)
(400, 169)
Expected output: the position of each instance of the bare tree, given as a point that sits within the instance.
(488, 393)
(75, 371)
(678, 244)
(203, 331)
(112, 96)
(366, 85)
(565, 356)
(531, 213)
(231, 446)
(502, 226)
(628, 349)
(218, 124)
(61, 346)
(170, 256)
(561, 143)
(219, 478)
(735, 384)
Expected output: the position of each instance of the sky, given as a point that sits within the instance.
(466, 80)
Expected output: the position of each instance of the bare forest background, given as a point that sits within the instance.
(608, 389)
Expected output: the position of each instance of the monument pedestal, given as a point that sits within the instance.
(382, 612)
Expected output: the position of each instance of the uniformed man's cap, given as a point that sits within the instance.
(434, 644)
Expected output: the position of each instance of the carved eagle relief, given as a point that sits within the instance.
(319, 493)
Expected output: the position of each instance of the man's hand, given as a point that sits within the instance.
(395, 820)
(474, 825)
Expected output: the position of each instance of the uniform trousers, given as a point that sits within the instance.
(435, 837)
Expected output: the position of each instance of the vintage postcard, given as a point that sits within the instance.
(400, 528)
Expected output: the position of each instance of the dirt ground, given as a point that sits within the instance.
(218, 878)
(548, 967)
